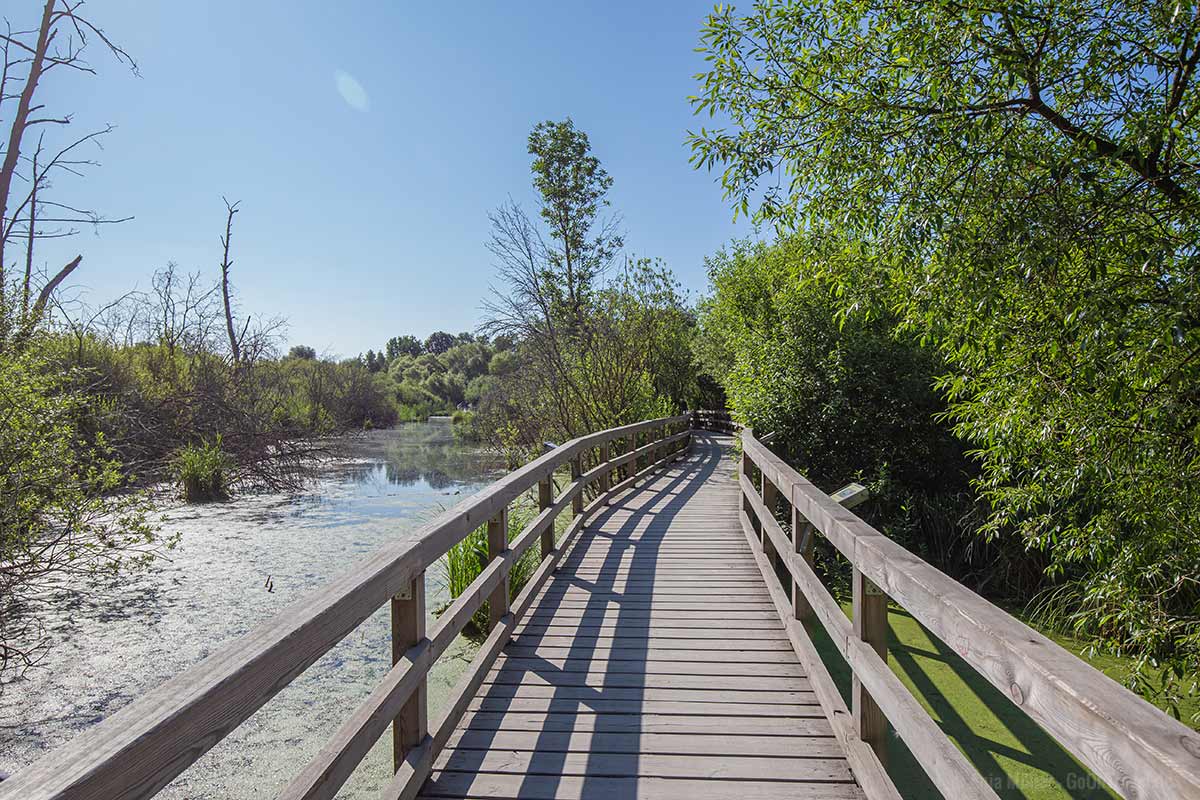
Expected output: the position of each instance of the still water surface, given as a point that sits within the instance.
(113, 642)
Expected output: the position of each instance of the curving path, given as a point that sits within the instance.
(653, 666)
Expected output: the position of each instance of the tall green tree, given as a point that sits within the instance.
(439, 342)
(593, 348)
(403, 345)
(1022, 181)
(572, 186)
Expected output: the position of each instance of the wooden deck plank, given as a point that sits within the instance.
(726, 603)
(815, 724)
(589, 695)
(648, 765)
(571, 703)
(632, 641)
(659, 630)
(472, 785)
(783, 746)
(650, 667)
(641, 654)
(653, 664)
(686, 679)
(646, 618)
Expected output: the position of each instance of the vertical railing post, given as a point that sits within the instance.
(770, 498)
(803, 534)
(870, 626)
(602, 482)
(576, 472)
(497, 539)
(545, 500)
(747, 506)
(635, 465)
(411, 725)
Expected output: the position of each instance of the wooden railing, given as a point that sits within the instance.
(144, 746)
(1138, 750)
(712, 420)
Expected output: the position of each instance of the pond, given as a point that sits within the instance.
(236, 565)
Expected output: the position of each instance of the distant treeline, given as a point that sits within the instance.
(416, 378)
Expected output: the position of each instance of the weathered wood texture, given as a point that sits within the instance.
(408, 630)
(652, 665)
(1138, 750)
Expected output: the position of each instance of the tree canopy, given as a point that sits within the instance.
(1016, 185)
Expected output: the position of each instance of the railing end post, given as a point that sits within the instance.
(870, 624)
(411, 725)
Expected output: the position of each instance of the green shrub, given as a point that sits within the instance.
(465, 427)
(65, 512)
(203, 472)
(467, 559)
(848, 399)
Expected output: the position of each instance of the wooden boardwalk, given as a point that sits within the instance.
(654, 653)
(653, 665)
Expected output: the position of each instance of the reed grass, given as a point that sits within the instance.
(466, 560)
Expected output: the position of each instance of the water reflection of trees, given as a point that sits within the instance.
(407, 476)
(408, 457)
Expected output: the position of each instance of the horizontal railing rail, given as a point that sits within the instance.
(715, 420)
(141, 748)
(1131, 745)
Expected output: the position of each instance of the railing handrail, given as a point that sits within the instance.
(146, 744)
(718, 419)
(1137, 749)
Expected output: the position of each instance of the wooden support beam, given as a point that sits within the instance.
(686, 448)
(603, 482)
(803, 535)
(545, 500)
(770, 498)
(747, 506)
(497, 538)
(576, 472)
(870, 626)
(411, 725)
(851, 495)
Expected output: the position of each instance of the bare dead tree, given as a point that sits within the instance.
(235, 349)
(522, 307)
(583, 366)
(58, 42)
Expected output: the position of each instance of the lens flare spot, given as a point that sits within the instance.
(351, 91)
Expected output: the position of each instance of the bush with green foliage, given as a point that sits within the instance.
(66, 511)
(849, 400)
(204, 472)
(1017, 185)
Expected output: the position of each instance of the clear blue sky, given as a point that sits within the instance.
(361, 224)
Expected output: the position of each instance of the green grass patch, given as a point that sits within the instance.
(1019, 759)
(203, 472)
(467, 559)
